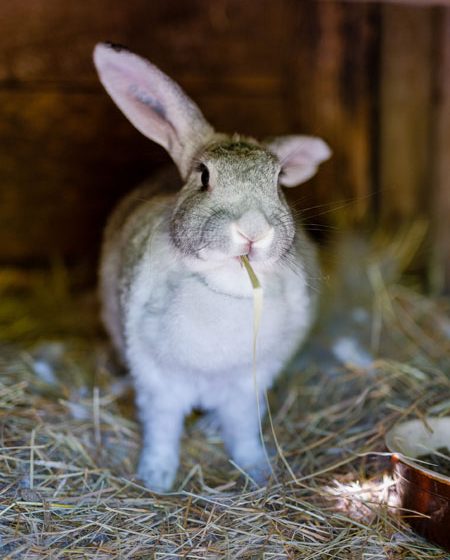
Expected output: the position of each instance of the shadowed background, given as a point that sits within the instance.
(372, 79)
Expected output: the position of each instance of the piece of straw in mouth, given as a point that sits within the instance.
(257, 312)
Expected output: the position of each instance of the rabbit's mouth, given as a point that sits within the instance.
(250, 256)
(218, 258)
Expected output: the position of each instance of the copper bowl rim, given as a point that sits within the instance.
(421, 427)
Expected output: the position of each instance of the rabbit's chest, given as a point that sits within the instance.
(209, 330)
(208, 325)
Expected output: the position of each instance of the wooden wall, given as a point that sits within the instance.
(371, 78)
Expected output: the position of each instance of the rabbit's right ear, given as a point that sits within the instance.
(154, 104)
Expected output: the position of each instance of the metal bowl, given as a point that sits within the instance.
(424, 494)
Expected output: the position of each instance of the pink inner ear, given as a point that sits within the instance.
(297, 157)
(128, 80)
(302, 149)
(143, 96)
(155, 106)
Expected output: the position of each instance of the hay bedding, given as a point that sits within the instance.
(69, 440)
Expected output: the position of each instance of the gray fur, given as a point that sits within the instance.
(175, 298)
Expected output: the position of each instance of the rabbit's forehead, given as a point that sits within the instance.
(241, 159)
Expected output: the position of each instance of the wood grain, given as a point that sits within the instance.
(332, 95)
(405, 112)
(440, 206)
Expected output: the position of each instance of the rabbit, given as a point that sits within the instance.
(176, 300)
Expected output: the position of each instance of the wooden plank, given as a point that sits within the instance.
(440, 207)
(405, 112)
(332, 93)
(60, 174)
(259, 116)
(226, 40)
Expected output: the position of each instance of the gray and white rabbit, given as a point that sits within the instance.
(176, 299)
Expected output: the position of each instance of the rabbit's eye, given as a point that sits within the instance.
(204, 177)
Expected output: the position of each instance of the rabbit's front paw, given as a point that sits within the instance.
(260, 474)
(255, 465)
(158, 473)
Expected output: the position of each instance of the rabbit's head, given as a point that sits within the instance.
(232, 202)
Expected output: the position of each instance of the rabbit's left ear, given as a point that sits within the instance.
(154, 103)
(299, 157)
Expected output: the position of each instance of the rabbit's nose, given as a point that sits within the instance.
(253, 238)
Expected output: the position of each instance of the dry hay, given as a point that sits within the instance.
(69, 440)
